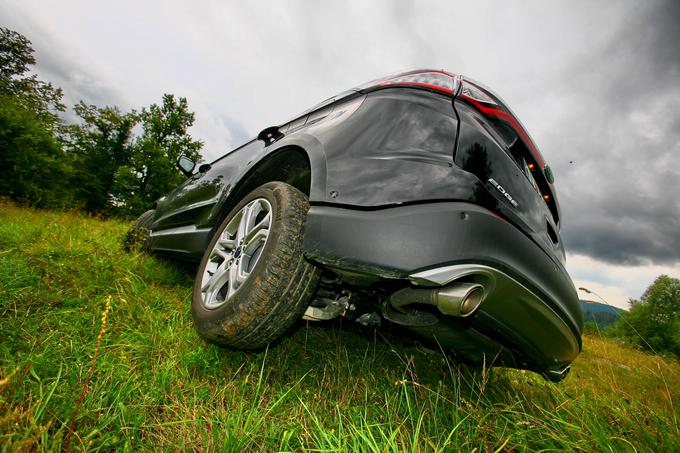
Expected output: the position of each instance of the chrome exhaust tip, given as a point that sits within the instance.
(457, 299)
(460, 299)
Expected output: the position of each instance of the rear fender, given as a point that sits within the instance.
(314, 149)
(391, 146)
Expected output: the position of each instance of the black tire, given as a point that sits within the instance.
(277, 289)
(137, 237)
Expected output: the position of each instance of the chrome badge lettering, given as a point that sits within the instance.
(503, 191)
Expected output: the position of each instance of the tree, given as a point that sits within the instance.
(653, 322)
(101, 147)
(42, 98)
(34, 166)
(153, 171)
(107, 169)
(33, 162)
(117, 172)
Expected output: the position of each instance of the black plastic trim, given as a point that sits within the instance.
(389, 243)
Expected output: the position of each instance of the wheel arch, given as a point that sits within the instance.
(314, 150)
(300, 163)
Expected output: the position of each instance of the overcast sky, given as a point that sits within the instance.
(597, 84)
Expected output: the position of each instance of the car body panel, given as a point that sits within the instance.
(483, 153)
(399, 241)
(536, 296)
(396, 147)
(354, 160)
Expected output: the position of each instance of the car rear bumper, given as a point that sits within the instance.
(531, 305)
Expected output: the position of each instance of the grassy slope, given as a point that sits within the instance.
(324, 387)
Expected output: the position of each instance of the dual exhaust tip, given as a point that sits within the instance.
(458, 299)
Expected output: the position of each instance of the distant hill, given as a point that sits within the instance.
(601, 314)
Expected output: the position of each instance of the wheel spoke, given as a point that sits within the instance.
(243, 224)
(254, 242)
(241, 274)
(260, 231)
(215, 282)
(217, 252)
(227, 244)
(233, 280)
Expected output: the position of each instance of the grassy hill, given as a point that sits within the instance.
(600, 314)
(143, 379)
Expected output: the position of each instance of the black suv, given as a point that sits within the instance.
(417, 199)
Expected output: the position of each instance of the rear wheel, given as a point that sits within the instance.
(253, 282)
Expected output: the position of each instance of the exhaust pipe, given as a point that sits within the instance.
(458, 299)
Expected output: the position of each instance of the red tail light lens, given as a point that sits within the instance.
(475, 93)
(440, 81)
(489, 104)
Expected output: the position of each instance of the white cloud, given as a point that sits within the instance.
(616, 284)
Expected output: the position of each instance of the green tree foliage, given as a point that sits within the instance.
(34, 166)
(152, 171)
(16, 57)
(101, 148)
(119, 173)
(653, 322)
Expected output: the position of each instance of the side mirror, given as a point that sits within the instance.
(186, 165)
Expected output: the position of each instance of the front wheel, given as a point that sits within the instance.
(253, 282)
(138, 235)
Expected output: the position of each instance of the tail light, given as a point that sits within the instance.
(429, 79)
(491, 106)
(452, 84)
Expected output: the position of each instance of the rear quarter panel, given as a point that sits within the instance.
(396, 147)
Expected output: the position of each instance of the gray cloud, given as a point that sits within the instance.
(80, 85)
(619, 196)
(55, 64)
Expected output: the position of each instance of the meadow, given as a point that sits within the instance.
(98, 352)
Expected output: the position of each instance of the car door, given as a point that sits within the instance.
(194, 201)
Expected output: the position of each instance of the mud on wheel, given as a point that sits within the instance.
(138, 235)
(253, 282)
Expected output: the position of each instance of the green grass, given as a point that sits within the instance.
(325, 387)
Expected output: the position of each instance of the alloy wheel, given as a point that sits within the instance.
(236, 253)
